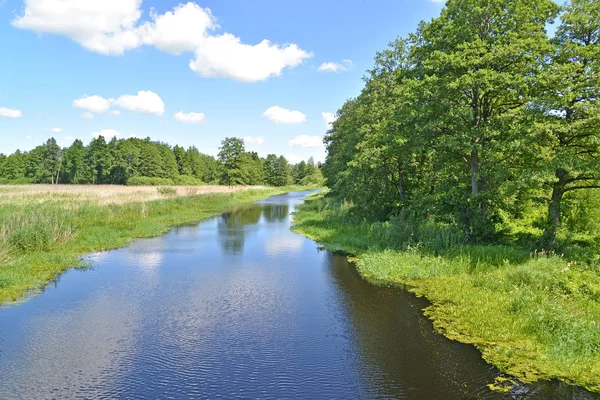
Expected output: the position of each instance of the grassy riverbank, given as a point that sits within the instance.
(532, 314)
(44, 230)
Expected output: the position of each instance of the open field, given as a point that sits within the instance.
(45, 229)
(103, 194)
(533, 314)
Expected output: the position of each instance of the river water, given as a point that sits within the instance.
(236, 306)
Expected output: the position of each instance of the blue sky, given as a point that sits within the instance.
(133, 58)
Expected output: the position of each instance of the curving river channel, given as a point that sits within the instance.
(236, 306)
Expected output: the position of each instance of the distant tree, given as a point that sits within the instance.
(150, 160)
(51, 161)
(74, 163)
(99, 161)
(230, 155)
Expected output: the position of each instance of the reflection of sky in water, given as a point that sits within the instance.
(284, 245)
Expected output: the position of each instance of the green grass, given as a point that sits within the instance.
(42, 236)
(535, 315)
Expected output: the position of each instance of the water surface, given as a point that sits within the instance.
(236, 306)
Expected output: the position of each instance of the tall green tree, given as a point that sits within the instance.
(568, 129)
(74, 162)
(230, 155)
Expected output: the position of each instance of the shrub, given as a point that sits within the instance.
(186, 180)
(148, 181)
(167, 191)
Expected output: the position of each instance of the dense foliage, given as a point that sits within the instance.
(136, 161)
(479, 120)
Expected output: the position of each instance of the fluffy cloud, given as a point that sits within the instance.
(105, 27)
(57, 130)
(87, 115)
(329, 119)
(112, 27)
(225, 56)
(335, 67)
(180, 30)
(305, 141)
(106, 133)
(190, 118)
(254, 140)
(95, 104)
(10, 113)
(281, 115)
(115, 112)
(145, 102)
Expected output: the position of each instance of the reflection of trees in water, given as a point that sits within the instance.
(399, 352)
(231, 226)
(276, 212)
(402, 357)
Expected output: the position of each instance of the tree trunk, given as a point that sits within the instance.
(553, 221)
(474, 172)
(401, 189)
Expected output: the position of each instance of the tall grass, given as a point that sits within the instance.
(534, 314)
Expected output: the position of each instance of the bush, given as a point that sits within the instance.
(148, 181)
(186, 180)
(18, 181)
(167, 191)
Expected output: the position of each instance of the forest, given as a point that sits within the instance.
(482, 121)
(136, 162)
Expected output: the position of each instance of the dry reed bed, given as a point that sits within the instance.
(102, 194)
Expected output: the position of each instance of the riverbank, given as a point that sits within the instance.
(43, 233)
(534, 315)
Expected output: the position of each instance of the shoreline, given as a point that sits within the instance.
(472, 305)
(78, 228)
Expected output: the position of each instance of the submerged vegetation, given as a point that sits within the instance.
(533, 314)
(45, 229)
(468, 168)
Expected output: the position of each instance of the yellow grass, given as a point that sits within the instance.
(102, 194)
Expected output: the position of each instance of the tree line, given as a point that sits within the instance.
(137, 161)
(478, 119)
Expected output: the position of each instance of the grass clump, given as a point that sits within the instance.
(44, 234)
(533, 314)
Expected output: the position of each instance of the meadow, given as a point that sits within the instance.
(533, 314)
(46, 229)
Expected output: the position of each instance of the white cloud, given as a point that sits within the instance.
(115, 112)
(329, 119)
(87, 115)
(335, 67)
(145, 102)
(95, 104)
(57, 130)
(29, 137)
(225, 56)
(107, 133)
(112, 27)
(180, 30)
(105, 27)
(10, 113)
(254, 139)
(281, 115)
(305, 141)
(190, 118)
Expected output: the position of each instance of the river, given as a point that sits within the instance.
(236, 306)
